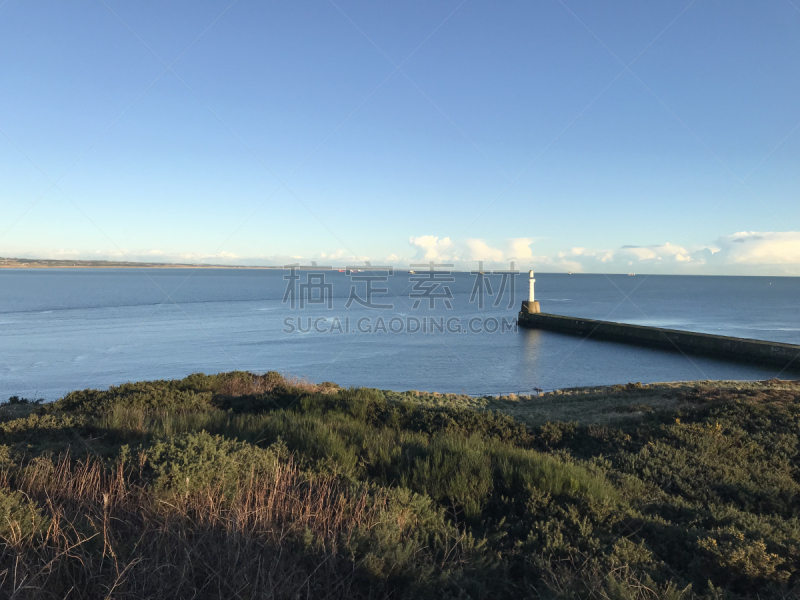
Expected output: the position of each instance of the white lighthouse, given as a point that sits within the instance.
(531, 281)
(530, 306)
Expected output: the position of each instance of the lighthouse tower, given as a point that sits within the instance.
(531, 305)
(531, 281)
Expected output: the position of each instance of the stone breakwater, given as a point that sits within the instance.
(783, 356)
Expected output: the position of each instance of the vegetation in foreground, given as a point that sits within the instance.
(253, 486)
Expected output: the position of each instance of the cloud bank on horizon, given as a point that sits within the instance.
(740, 253)
(744, 252)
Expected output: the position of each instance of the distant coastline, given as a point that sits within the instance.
(35, 263)
(32, 263)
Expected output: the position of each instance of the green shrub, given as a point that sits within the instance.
(313, 439)
(520, 471)
(19, 517)
(149, 396)
(410, 523)
(197, 461)
(731, 558)
(455, 470)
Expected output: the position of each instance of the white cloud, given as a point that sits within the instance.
(745, 252)
(761, 248)
(480, 250)
(639, 253)
(657, 252)
(601, 255)
(520, 248)
(430, 247)
(559, 264)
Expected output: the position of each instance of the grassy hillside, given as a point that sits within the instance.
(245, 486)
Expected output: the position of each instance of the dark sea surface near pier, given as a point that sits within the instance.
(66, 329)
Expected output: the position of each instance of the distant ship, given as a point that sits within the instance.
(410, 272)
(631, 274)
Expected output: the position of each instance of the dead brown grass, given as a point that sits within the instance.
(284, 536)
(246, 384)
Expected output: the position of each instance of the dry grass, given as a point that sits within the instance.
(108, 536)
(246, 384)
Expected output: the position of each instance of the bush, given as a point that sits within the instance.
(149, 397)
(192, 462)
(522, 471)
(20, 520)
(455, 470)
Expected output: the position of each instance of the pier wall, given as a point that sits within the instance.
(720, 346)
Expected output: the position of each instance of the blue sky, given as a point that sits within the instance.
(254, 133)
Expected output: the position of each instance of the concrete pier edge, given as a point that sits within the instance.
(784, 356)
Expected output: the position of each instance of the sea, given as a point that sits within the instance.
(432, 330)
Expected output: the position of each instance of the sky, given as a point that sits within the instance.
(565, 136)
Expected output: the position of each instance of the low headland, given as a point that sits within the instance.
(240, 485)
(47, 263)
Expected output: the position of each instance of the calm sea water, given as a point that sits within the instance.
(62, 330)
